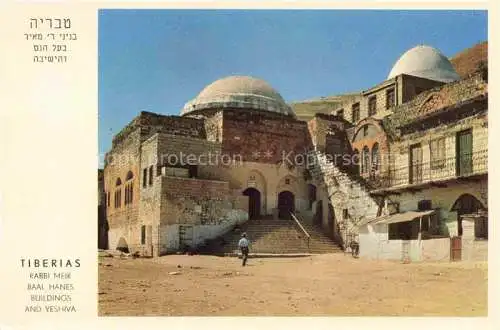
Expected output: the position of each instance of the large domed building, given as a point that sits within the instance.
(425, 62)
(238, 92)
(238, 158)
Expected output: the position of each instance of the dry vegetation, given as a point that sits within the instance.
(468, 61)
(320, 285)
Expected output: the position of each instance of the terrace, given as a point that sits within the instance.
(439, 172)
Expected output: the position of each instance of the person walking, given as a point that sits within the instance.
(243, 245)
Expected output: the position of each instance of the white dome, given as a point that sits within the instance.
(425, 62)
(239, 92)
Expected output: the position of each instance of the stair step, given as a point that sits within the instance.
(274, 236)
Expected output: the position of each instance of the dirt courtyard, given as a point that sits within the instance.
(327, 285)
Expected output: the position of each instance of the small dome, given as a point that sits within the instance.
(425, 62)
(239, 92)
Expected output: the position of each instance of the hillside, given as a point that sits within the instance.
(468, 60)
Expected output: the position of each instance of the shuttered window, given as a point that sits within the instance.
(438, 153)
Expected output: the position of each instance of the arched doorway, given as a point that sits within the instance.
(465, 204)
(253, 202)
(122, 245)
(311, 192)
(286, 204)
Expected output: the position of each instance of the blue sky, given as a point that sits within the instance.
(157, 60)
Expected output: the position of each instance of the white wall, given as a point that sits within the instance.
(437, 249)
(374, 244)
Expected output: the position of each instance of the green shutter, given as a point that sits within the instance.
(464, 153)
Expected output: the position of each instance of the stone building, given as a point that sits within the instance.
(238, 156)
(102, 223)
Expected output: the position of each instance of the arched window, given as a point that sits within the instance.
(129, 188)
(375, 158)
(118, 193)
(365, 161)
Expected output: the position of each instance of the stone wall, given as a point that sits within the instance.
(380, 92)
(213, 127)
(124, 157)
(321, 126)
(257, 137)
(208, 208)
(190, 150)
(412, 86)
(150, 123)
(434, 100)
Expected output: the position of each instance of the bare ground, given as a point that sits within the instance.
(328, 285)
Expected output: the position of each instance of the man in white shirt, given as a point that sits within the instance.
(243, 245)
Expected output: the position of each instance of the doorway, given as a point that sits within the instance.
(286, 204)
(311, 192)
(464, 153)
(253, 203)
(465, 204)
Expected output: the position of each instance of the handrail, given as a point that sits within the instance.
(302, 228)
(300, 225)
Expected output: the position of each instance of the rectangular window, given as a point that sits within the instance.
(404, 230)
(355, 112)
(390, 98)
(118, 197)
(144, 177)
(340, 113)
(345, 214)
(424, 205)
(372, 105)
(415, 163)
(143, 234)
(438, 153)
(151, 175)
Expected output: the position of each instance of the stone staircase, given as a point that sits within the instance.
(271, 236)
(319, 241)
(343, 188)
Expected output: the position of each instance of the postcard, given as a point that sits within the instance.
(245, 160)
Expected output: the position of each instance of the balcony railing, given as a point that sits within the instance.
(464, 165)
